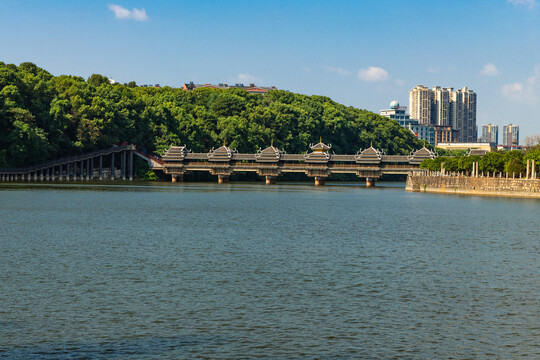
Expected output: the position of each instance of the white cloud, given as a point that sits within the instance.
(337, 70)
(525, 3)
(247, 78)
(489, 70)
(524, 92)
(123, 13)
(306, 69)
(373, 73)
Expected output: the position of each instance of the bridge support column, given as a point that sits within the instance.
(87, 169)
(270, 180)
(319, 180)
(370, 182)
(100, 167)
(123, 164)
(131, 165)
(223, 179)
(112, 166)
(41, 175)
(48, 176)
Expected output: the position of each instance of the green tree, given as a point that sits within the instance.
(492, 162)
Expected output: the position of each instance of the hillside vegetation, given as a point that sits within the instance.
(44, 116)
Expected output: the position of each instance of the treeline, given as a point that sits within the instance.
(511, 162)
(44, 116)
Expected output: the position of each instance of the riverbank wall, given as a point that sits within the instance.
(467, 185)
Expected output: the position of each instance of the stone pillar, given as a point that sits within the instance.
(48, 177)
(60, 173)
(270, 180)
(100, 167)
(41, 175)
(319, 181)
(533, 169)
(75, 171)
(131, 165)
(81, 165)
(123, 164)
(112, 166)
(88, 175)
(370, 182)
(223, 179)
(528, 169)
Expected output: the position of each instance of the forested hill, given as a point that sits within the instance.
(44, 116)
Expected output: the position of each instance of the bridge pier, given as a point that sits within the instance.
(223, 179)
(177, 178)
(112, 166)
(123, 164)
(370, 182)
(319, 180)
(270, 180)
(131, 165)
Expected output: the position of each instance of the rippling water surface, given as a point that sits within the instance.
(251, 271)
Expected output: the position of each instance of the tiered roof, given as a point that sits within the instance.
(478, 152)
(270, 154)
(175, 153)
(420, 155)
(370, 155)
(319, 153)
(222, 153)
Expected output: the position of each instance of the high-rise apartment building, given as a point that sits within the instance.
(446, 107)
(420, 104)
(490, 134)
(440, 106)
(510, 135)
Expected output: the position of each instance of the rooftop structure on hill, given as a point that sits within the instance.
(252, 88)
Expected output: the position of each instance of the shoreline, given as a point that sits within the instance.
(481, 186)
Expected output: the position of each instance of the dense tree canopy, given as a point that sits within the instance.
(512, 162)
(44, 116)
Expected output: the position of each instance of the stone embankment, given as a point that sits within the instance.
(473, 185)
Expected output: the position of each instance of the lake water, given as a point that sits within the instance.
(243, 271)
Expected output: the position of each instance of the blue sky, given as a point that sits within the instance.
(360, 53)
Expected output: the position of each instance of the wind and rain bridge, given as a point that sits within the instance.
(319, 164)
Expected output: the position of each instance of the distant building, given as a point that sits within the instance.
(490, 134)
(446, 107)
(423, 132)
(398, 113)
(510, 135)
(465, 146)
(252, 89)
(444, 134)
